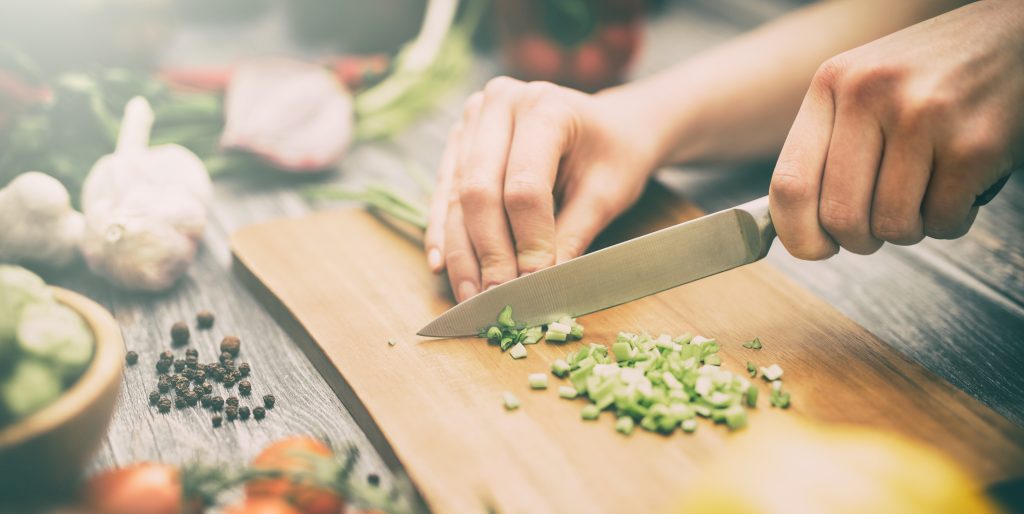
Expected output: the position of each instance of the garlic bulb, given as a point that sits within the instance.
(145, 208)
(39, 225)
(296, 115)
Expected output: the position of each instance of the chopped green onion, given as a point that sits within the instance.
(554, 335)
(713, 359)
(752, 396)
(577, 331)
(538, 380)
(624, 425)
(735, 417)
(753, 345)
(567, 392)
(560, 368)
(532, 335)
(494, 333)
(772, 373)
(780, 399)
(505, 317)
(590, 412)
(751, 369)
(511, 402)
(518, 351)
(507, 342)
(689, 425)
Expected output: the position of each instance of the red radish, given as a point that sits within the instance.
(294, 114)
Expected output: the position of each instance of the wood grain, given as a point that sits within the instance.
(351, 285)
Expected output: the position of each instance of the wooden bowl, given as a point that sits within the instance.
(46, 452)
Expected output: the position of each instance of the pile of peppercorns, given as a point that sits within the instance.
(191, 380)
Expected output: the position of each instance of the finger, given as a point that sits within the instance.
(902, 182)
(433, 239)
(463, 272)
(583, 215)
(948, 209)
(481, 183)
(848, 184)
(794, 193)
(542, 134)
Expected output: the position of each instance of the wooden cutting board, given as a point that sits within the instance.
(345, 284)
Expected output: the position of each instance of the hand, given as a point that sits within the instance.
(896, 139)
(530, 175)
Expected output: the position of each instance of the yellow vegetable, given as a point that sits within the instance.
(798, 468)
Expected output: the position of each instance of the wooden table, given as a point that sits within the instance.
(957, 307)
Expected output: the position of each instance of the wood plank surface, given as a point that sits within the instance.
(351, 284)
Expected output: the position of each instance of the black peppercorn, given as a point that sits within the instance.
(164, 405)
(217, 403)
(205, 400)
(192, 361)
(232, 400)
(229, 382)
(204, 319)
(154, 397)
(192, 398)
(166, 355)
(243, 412)
(217, 420)
(189, 373)
(231, 411)
(179, 402)
(230, 345)
(163, 365)
(268, 401)
(244, 369)
(228, 364)
(373, 479)
(163, 386)
(224, 357)
(259, 413)
(208, 388)
(245, 388)
(192, 352)
(179, 334)
(199, 376)
(131, 358)
(180, 365)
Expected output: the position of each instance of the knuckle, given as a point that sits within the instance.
(974, 148)
(828, 75)
(501, 86)
(521, 195)
(839, 217)
(808, 250)
(789, 188)
(570, 246)
(945, 227)
(472, 104)
(894, 228)
(456, 256)
(920, 107)
(534, 259)
(474, 193)
(539, 91)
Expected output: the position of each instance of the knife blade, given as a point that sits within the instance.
(621, 273)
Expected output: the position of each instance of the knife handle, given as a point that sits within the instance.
(760, 222)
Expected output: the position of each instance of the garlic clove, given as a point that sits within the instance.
(139, 254)
(296, 115)
(40, 224)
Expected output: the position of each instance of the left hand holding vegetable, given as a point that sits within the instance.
(897, 139)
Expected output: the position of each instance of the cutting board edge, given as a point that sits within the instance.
(323, 364)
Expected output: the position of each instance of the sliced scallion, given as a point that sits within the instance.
(518, 351)
(510, 400)
(567, 392)
(538, 380)
(624, 425)
(590, 412)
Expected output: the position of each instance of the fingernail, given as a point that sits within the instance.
(467, 290)
(434, 259)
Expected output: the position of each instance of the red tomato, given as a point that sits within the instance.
(266, 505)
(143, 488)
(295, 454)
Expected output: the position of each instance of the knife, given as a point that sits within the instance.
(621, 273)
